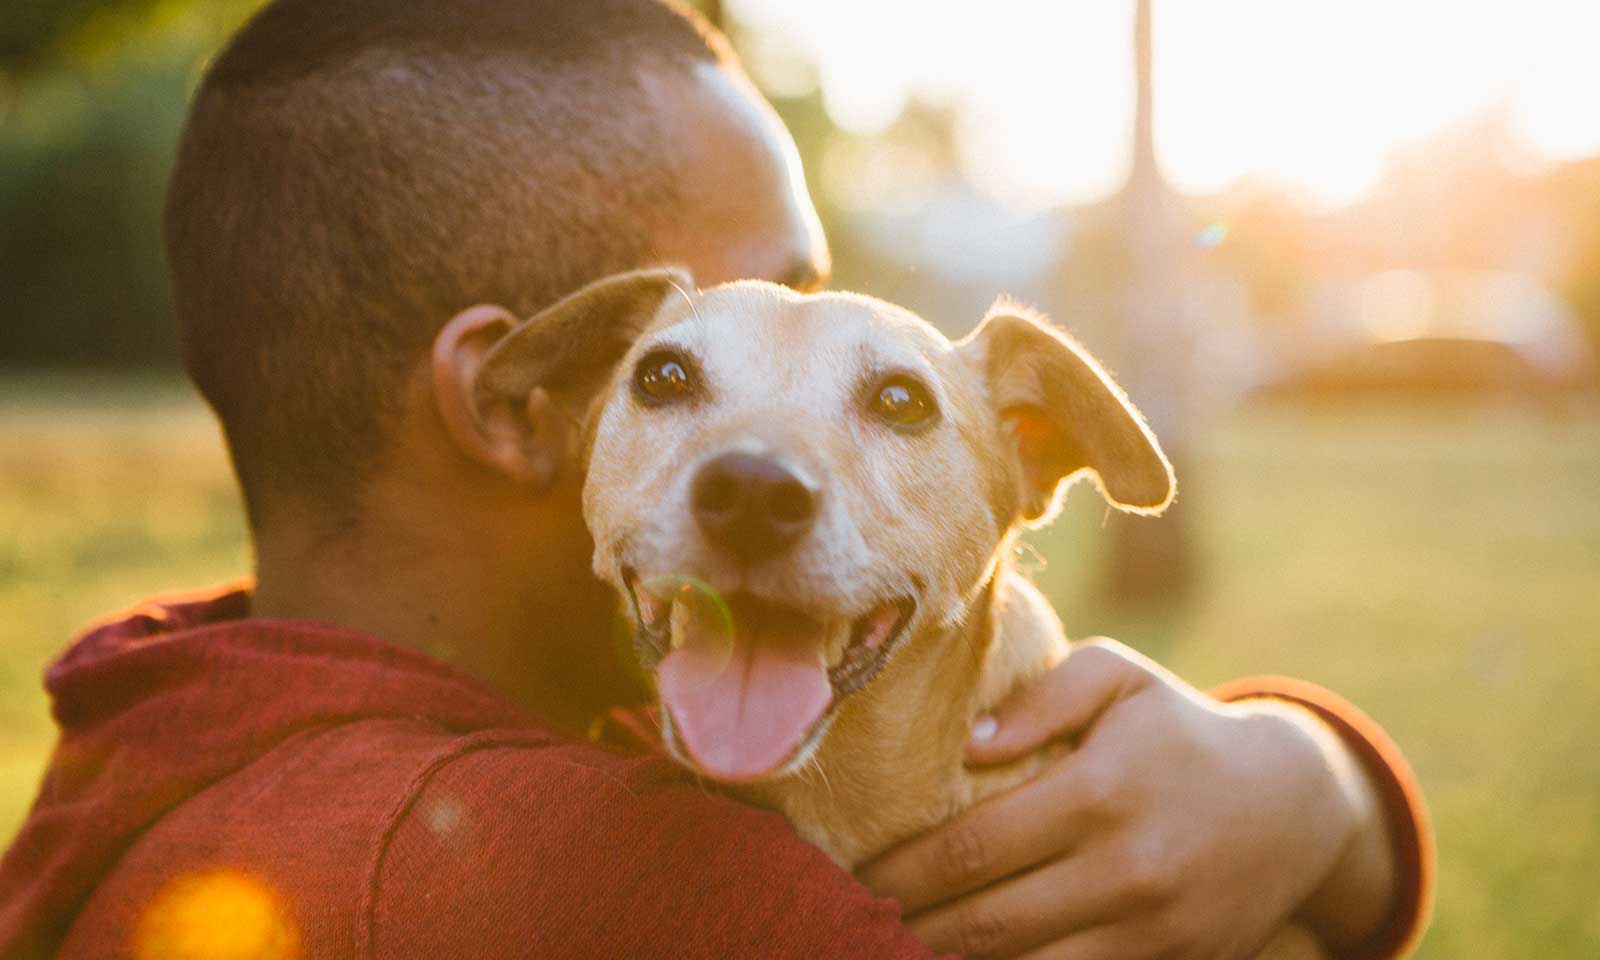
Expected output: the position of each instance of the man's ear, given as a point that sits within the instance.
(511, 392)
(1066, 417)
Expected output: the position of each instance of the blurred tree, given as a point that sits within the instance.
(81, 180)
(31, 32)
(40, 38)
(92, 98)
(1576, 188)
(92, 95)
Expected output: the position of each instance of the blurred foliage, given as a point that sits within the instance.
(82, 173)
(92, 94)
(43, 37)
(1582, 280)
(28, 30)
(92, 98)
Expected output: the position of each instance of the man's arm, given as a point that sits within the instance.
(1179, 825)
(1403, 846)
(577, 852)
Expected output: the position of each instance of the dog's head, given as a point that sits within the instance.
(791, 487)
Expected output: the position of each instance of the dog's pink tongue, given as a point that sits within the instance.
(742, 704)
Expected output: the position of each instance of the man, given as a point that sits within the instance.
(379, 751)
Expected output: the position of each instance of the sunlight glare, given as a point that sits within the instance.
(1555, 105)
(216, 915)
(1312, 96)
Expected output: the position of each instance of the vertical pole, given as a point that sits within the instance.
(1150, 299)
(1150, 560)
(1144, 141)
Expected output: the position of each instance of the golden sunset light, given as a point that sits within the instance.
(666, 478)
(1310, 96)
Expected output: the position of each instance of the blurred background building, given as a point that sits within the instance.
(1346, 256)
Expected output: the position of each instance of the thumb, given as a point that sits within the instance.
(1062, 703)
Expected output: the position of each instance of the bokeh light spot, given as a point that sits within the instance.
(1211, 236)
(444, 816)
(216, 915)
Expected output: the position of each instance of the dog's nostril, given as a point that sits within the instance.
(791, 502)
(717, 492)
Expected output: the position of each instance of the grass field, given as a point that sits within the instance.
(1440, 568)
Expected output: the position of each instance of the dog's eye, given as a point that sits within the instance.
(903, 402)
(662, 377)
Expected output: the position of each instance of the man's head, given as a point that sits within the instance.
(355, 173)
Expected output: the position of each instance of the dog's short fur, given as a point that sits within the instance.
(929, 514)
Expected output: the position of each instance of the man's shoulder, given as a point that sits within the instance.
(397, 837)
(577, 850)
(521, 801)
(303, 822)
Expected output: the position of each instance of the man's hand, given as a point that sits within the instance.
(1178, 827)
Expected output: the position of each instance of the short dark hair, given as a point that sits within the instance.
(354, 172)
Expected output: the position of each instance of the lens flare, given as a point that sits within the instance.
(216, 915)
(698, 610)
(1212, 236)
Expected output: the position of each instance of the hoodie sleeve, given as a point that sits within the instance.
(574, 851)
(1406, 816)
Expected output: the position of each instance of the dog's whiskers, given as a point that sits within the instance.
(686, 298)
(816, 764)
(1029, 559)
(700, 782)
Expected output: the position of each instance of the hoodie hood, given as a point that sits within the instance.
(160, 703)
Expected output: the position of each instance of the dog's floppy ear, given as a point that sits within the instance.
(1066, 417)
(510, 394)
(569, 349)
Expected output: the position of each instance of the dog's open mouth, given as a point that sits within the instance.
(747, 682)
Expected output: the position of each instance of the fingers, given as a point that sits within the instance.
(1001, 836)
(1096, 943)
(1063, 702)
(1040, 907)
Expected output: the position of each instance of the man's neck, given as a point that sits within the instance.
(536, 627)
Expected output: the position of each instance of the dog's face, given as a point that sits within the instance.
(791, 488)
(787, 487)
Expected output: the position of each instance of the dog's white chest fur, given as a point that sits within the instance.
(893, 765)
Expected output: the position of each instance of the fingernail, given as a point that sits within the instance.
(984, 728)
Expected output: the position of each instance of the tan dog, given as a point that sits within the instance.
(812, 502)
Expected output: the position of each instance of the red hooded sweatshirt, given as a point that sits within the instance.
(252, 788)
(281, 789)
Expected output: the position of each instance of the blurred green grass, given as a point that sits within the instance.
(1441, 568)
(111, 489)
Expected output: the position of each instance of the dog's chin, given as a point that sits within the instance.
(749, 685)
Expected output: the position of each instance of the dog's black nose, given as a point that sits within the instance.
(751, 505)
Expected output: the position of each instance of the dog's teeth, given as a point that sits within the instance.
(838, 642)
(880, 625)
(649, 608)
(679, 621)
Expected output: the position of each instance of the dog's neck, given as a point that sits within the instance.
(892, 764)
